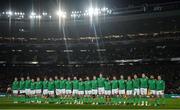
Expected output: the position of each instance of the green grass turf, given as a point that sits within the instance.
(6, 103)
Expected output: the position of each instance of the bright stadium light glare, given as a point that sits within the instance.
(9, 13)
(104, 9)
(61, 14)
(44, 13)
(38, 17)
(93, 11)
(90, 11)
(33, 14)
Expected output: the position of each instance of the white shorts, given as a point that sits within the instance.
(114, 91)
(38, 91)
(62, 91)
(45, 92)
(15, 91)
(81, 92)
(159, 92)
(153, 92)
(22, 91)
(107, 92)
(122, 92)
(128, 92)
(88, 92)
(136, 92)
(75, 92)
(68, 92)
(51, 92)
(143, 91)
(32, 92)
(101, 90)
(94, 91)
(27, 91)
(57, 91)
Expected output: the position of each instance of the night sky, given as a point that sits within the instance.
(68, 5)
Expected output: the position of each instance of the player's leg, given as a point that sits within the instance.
(15, 96)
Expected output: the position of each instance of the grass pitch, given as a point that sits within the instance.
(7, 103)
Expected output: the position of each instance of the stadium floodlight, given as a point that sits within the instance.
(50, 17)
(104, 9)
(32, 15)
(61, 14)
(90, 11)
(93, 11)
(38, 16)
(20, 13)
(44, 13)
(9, 13)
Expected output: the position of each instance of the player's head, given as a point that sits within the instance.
(69, 78)
(15, 78)
(114, 77)
(38, 79)
(94, 77)
(107, 78)
(100, 75)
(22, 78)
(75, 78)
(28, 78)
(159, 77)
(32, 80)
(50, 79)
(152, 77)
(87, 78)
(135, 76)
(56, 77)
(122, 77)
(45, 79)
(129, 77)
(80, 79)
(143, 75)
(62, 78)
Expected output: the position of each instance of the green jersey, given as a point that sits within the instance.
(121, 84)
(51, 86)
(75, 84)
(68, 85)
(107, 85)
(38, 85)
(136, 83)
(129, 85)
(88, 85)
(143, 82)
(94, 84)
(45, 84)
(27, 84)
(81, 86)
(62, 84)
(22, 85)
(15, 85)
(114, 84)
(152, 84)
(100, 82)
(56, 83)
(33, 86)
(160, 85)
